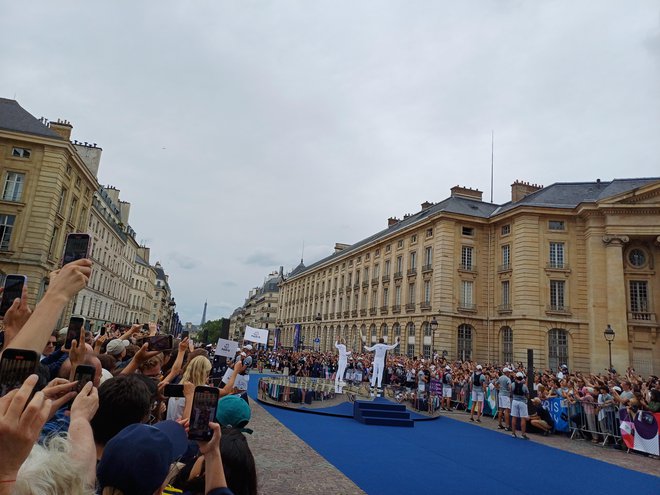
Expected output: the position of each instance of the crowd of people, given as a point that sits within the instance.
(120, 432)
(591, 400)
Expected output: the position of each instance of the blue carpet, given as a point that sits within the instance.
(452, 455)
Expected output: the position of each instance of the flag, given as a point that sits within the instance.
(226, 348)
(258, 335)
(492, 399)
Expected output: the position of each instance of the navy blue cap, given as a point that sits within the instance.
(138, 458)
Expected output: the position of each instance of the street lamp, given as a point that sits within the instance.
(434, 324)
(609, 336)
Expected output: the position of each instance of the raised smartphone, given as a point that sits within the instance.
(74, 331)
(160, 343)
(13, 289)
(15, 366)
(173, 390)
(78, 246)
(205, 404)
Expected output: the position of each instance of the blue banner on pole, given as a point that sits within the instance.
(296, 337)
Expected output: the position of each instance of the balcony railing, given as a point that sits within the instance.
(425, 305)
(365, 284)
(374, 281)
(504, 308)
(410, 307)
(398, 275)
(556, 265)
(558, 308)
(463, 306)
(504, 268)
(427, 268)
(356, 286)
(396, 308)
(373, 312)
(641, 316)
(412, 272)
(354, 313)
(347, 314)
(363, 312)
(467, 268)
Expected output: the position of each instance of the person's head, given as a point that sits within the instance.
(197, 371)
(233, 411)
(151, 367)
(381, 340)
(50, 468)
(138, 459)
(479, 368)
(108, 362)
(89, 337)
(117, 348)
(123, 400)
(520, 376)
(506, 371)
(50, 345)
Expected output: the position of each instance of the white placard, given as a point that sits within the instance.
(259, 335)
(226, 348)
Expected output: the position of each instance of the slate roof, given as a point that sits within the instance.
(14, 117)
(558, 195)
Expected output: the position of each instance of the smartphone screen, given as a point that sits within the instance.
(74, 331)
(160, 343)
(205, 403)
(102, 332)
(84, 373)
(77, 247)
(185, 334)
(13, 289)
(16, 365)
(173, 390)
(145, 327)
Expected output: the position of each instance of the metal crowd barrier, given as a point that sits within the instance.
(584, 422)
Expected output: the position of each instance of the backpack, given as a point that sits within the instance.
(476, 379)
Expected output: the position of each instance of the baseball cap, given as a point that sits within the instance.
(248, 347)
(564, 367)
(137, 459)
(479, 367)
(63, 331)
(520, 375)
(506, 370)
(116, 346)
(233, 411)
(448, 368)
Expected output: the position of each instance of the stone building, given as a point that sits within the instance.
(47, 190)
(547, 271)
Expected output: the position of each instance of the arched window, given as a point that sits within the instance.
(465, 342)
(374, 333)
(506, 334)
(557, 348)
(427, 329)
(410, 346)
(383, 329)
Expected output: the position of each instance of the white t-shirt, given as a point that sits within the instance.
(380, 350)
(343, 353)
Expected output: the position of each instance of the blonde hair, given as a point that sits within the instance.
(197, 371)
(49, 470)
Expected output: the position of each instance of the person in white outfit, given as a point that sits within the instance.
(379, 360)
(343, 360)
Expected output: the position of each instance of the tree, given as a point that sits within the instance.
(211, 330)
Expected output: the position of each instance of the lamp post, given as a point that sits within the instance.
(609, 336)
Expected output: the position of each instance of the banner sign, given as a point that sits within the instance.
(296, 337)
(258, 335)
(641, 432)
(435, 387)
(226, 348)
(559, 412)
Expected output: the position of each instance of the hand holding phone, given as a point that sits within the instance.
(16, 366)
(13, 289)
(173, 390)
(204, 407)
(77, 246)
(160, 343)
(74, 332)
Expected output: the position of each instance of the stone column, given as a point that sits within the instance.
(617, 308)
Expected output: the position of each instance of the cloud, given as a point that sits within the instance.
(262, 259)
(183, 261)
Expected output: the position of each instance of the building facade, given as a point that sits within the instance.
(547, 271)
(47, 191)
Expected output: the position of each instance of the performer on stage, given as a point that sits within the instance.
(343, 358)
(379, 360)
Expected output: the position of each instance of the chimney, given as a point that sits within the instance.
(521, 189)
(392, 221)
(340, 247)
(63, 128)
(426, 205)
(466, 192)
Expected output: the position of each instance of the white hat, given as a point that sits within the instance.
(116, 346)
(520, 375)
(506, 370)
(479, 367)
(618, 389)
(248, 347)
(448, 368)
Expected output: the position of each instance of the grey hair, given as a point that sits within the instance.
(49, 470)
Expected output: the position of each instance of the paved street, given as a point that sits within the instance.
(287, 465)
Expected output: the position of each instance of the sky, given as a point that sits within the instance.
(241, 131)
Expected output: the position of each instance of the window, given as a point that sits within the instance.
(639, 302)
(507, 344)
(411, 294)
(386, 296)
(506, 230)
(383, 330)
(506, 256)
(557, 295)
(427, 351)
(72, 209)
(427, 292)
(397, 295)
(388, 248)
(466, 294)
(376, 270)
(6, 227)
(413, 239)
(20, 152)
(13, 186)
(411, 329)
(411, 350)
(466, 257)
(53, 242)
(377, 253)
(506, 301)
(429, 232)
(468, 231)
(427, 329)
(374, 298)
(387, 268)
(399, 244)
(428, 256)
(366, 274)
(60, 206)
(556, 225)
(465, 342)
(399, 264)
(413, 260)
(556, 255)
(557, 348)
(637, 258)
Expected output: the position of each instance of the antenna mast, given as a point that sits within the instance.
(492, 155)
